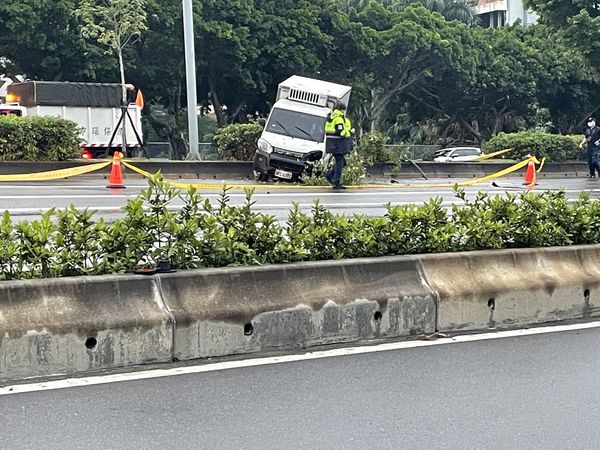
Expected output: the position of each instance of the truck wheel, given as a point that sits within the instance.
(261, 177)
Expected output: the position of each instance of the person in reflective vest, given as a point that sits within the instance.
(338, 130)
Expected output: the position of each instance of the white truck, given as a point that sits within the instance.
(95, 107)
(294, 135)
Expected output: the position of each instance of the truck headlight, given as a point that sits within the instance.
(264, 146)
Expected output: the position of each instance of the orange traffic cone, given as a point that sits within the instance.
(115, 179)
(530, 175)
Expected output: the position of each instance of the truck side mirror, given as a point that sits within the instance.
(262, 122)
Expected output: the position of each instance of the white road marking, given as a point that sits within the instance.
(259, 207)
(62, 196)
(254, 362)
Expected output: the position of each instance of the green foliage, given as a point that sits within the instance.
(416, 74)
(369, 150)
(555, 147)
(38, 139)
(578, 21)
(371, 147)
(42, 39)
(238, 142)
(199, 234)
(113, 24)
(315, 175)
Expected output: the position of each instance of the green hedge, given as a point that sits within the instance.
(71, 242)
(555, 147)
(38, 139)
(238, 142)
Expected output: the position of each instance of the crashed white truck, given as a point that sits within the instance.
(294, 135)
(95, 107)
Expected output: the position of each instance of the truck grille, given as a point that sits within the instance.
(296, 155)
(305, 97)
(290, 166)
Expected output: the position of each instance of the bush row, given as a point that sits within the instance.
(239, 142)
(70, 242)
(555, 147)
(38, 139)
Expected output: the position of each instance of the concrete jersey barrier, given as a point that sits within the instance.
(227, 311)
(514, 288)
(79, 324)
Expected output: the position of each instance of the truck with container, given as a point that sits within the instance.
(95, 107)
(293, 138)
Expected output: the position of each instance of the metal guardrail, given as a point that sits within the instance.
(414, 151)
(208, 150)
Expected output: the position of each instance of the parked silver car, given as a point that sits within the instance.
(457, 154)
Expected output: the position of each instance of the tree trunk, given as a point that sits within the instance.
(219, 113)
(123, 98)
(167, 129)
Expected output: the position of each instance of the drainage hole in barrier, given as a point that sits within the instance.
(377, 316)
(492, 303)
(248, 329)
(90, 343)
(586, 293)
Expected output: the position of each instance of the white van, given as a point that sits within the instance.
(294, 134)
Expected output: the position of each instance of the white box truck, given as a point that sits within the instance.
(95, 107)
(294, 135)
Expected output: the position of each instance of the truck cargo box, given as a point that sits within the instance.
(53, 93)
(312, 91)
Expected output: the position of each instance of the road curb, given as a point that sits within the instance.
(74, 325)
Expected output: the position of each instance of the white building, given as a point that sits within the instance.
(498, 13)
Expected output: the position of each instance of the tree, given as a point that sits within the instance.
(461, 10)
(578, 20)
(156, 62)
(41, 40)
(385, 53)
(114, 24)
(525, 78)
(246, 47)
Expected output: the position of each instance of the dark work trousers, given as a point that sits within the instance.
(592, 160)
(340, 163)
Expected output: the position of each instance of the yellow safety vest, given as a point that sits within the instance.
(338, 125)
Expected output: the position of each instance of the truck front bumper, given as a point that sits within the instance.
(268, 163)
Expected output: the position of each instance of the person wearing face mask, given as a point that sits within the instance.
(592, 141)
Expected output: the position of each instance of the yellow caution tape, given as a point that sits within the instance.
(500, 173)
(135, 169)
(219, 187)
(541, 164)
(55, 174)
(492, 155)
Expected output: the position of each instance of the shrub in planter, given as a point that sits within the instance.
(238, 142)
(202, 234)
(38, 139)
(555, 147)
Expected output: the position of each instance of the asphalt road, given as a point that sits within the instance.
(529, 392)
(26, 200)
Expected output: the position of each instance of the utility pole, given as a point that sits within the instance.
(190, 68)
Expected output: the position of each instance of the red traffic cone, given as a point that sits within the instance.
(530, 175)
(115, 179)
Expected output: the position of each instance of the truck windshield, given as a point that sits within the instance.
(297, 125)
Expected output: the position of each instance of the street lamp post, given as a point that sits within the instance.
(190, 68)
